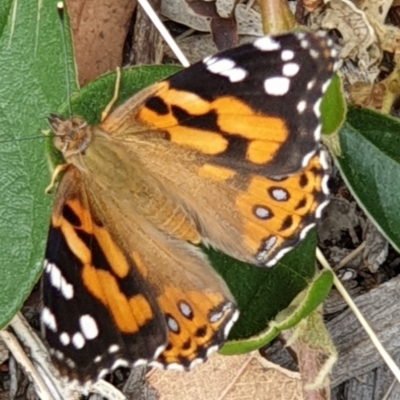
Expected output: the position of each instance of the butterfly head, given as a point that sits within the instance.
(72, 135)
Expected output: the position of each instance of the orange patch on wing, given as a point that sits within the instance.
(142, 308)
(139, 263)
(77, 246)
(265, 133)
(112, 252)
(300, 191)
(128, 314)
(188, 101)
(74, 242)
(216, 173)
(207, 142)
(186, 342)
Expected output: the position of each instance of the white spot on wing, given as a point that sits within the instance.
(48, 319)
(301, 106)
(172, 325)
(185, 309)
(65, 339)
(71, 364)
(119, 363)
(305, 230)
(226, 67)
(287, 55)
(277, 86)
(159, 350)
(266, 43)
(175, 367)
(314, 54)
(304, 43)
(324, 184)
(235, 74)
(140, 361)
(325, 86)
(320, 208)
(230, 323)
(113, 348)
(220, 65)
(195, 363)
(88, 327)
(290, 69)
(323, 160)
(269, 243)
(104, 372)
(215, 317)
(211, 350)
(316, 107)
(55, 276)
(278, 256)
(262, 212)
(307, 158)
(46, 266)
(310, 84)
(67, 290)
(78, 340)
(279, 194)
(317, 132)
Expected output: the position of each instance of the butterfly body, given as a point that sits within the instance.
(209, 156)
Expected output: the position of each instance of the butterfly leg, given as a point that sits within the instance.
(54, 176)
(106, 111)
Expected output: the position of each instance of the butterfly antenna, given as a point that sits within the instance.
(61, 11)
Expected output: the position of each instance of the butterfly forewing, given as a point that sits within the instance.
(226, 153)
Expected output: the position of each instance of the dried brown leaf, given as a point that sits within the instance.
(99, 29)
(244, 377)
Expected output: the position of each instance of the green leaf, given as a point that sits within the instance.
(370, 166)
(333, 107)
(301, 306)
(33, 75)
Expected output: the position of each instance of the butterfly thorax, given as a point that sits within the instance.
(72, 136)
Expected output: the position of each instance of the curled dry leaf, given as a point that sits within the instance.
(359, 41)
(248, 19)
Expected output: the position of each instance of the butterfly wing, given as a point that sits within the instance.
(253, 108)
(235, 140)
(102, 311)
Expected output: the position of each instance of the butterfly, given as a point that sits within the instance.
(224, 153)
